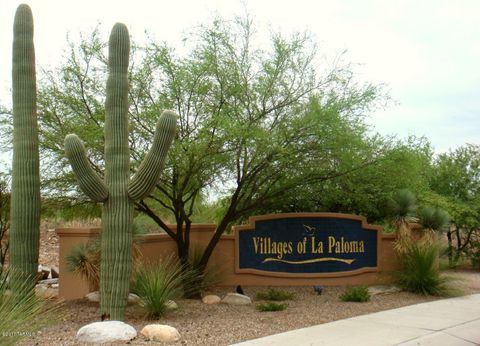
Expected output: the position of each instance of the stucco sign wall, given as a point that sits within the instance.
(307, 245)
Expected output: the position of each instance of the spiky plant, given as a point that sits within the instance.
(433, 220)
(402, 207)
(25, 194)
(419, 272)
(117, 191)
(22, 314)
(157, 283)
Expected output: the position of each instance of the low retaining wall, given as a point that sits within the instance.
(157, 246)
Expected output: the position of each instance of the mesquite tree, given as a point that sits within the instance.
(25, 200)
(116, 191)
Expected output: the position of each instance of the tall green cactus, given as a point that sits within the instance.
(25, 202)
(117, 192)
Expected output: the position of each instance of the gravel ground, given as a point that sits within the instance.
(201, 324)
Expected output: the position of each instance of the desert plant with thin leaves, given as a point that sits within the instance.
(420, 272)
(355, 294)
(433, 220)
(23, 314)
(403, 206)
(158, 283)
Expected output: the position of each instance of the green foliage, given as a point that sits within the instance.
(84, 260)
(433, 218)
(355, 294)
(419, 270)
(157, 283)
(25, 197)
(269, 306)
(455, 184)
(275, 295)
(251, 114)
(403, 206)
(23, 314)
(4, 219)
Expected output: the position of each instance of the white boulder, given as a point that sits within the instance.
(236, 299)
(108, 331)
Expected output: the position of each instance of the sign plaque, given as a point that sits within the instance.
(307, 245)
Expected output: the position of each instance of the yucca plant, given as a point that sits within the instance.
(433, 220)
(157, 283)
(23, 314)
(402, 207)
(419, 272)
(84, 261)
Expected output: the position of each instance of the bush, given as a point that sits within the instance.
(355, 294)
(22, 314)
(419, 270)
(276, 295)
(271, 307)
(84, 260)
(157, 283)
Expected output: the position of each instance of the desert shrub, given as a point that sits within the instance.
(269, 306)
(22, 314)
(275, 295)
(157, 283)
(420, 272)
(84, 260)
(355, 294)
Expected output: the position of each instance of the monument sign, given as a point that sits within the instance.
(307, 245)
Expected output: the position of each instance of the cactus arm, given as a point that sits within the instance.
(25, 203)
(151, 167)
(87, 178)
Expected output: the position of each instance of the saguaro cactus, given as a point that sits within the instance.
(25, 202)
(117, 192)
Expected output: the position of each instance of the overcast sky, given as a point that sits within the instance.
(426, 51)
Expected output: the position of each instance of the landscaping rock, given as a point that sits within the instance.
(94, 297)
(108, 331)
(48, 281)
(383, 289)
(160, 332)
(170, 305)
(211, 299)
(133, 299)
(236, 299)
(54, 272)
(43, 291)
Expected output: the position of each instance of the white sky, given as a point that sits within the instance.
(426, 51)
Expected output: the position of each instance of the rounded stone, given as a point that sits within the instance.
(108, 331)
(160, 332)
(211, 299)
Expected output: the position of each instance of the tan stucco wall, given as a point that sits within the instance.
(157, 246)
